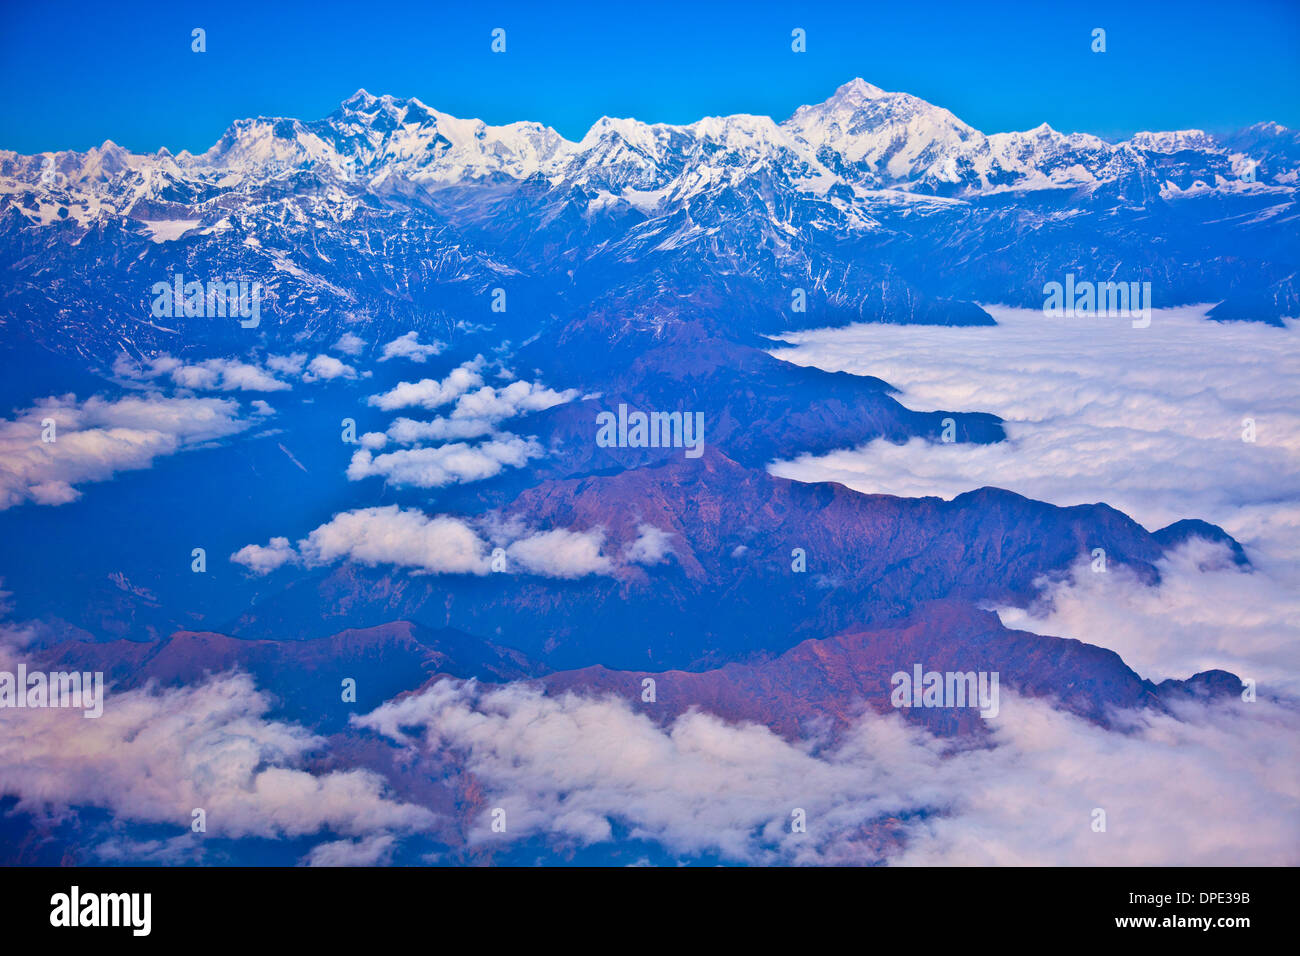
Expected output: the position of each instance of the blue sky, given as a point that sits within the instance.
(77, 73)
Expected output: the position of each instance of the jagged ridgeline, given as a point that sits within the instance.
(869, 206)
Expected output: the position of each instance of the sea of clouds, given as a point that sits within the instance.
(1149, 421)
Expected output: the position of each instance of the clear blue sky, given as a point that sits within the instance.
(77, 73)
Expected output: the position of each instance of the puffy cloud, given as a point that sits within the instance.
(155, 755)
(402, 537)
(477, 413)
(432, 393)
(98, 438)
(263, 560)
(651, 546)
(434, 544)
(398, 536)
(408, 431)
(1211, 785)
(287, 364)
(496, 404)
(408, 347)
(349, 344)
(326, 368)
(444, 465)
(561, 554)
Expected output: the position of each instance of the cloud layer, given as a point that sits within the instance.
(1149, 421)
(156, 755)
(1212, 786)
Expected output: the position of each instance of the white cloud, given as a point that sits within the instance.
(408, 347)
(444, 465)
(1149, 421)
(374, 850)
(652, 545)
(477, 413)
(209, 375)
(263, 560)
(326, 368)
(496, 404)
(402, 537)
(175, 851)
(408, 431)
(434, 544)
(287, 364)
(155, 755)
(1215, 785)
(349, 344)
(98, 438)
(432, 393)
(561, 554)
(1205, 613)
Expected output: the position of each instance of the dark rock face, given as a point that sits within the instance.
(305, 677)
(728, 591)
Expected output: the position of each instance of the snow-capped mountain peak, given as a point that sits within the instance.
(862, 146)
(1174, 141)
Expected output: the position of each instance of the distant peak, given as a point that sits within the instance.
(858, 89)
(1268, 127)
(363, 102)
(368, 105)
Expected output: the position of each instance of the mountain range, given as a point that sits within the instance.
(646, 266)
(878, 206)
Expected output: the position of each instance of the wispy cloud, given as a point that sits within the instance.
(99, 437)
(208, 375)
(349, 344)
